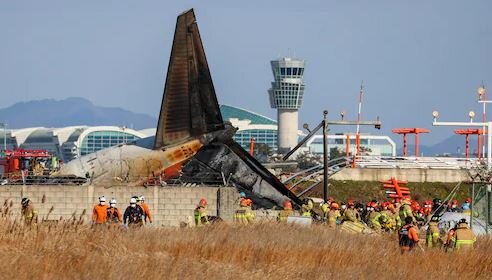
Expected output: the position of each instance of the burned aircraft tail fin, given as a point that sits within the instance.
(189, 105)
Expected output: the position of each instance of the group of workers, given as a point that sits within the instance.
(405, 217)
(136, 214)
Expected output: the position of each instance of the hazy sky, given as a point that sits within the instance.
(414, 56)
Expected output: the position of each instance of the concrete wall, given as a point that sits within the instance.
(169, 205)
(410, 175)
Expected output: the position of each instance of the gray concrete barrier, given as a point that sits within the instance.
(169, 205)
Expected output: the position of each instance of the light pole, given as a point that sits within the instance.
(471, 115)
(482, 95)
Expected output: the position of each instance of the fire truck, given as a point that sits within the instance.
(19, 164)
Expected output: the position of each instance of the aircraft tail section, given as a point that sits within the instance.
(189, 106)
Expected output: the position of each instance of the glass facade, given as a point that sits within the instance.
(287, 89)
(263, 136)
(98, 140)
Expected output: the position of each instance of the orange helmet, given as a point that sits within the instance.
(391, 206)
(415, 206)
(350, 202)
(249, 201)
(287, 205)
(469, 200)
(384, 204)
(455, 202)
(203, 202)
(243, 202)
(334, 205)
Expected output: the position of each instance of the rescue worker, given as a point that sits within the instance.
(427, 209)
(325, 207)
(465, 207)
(29, 214)
(351, 214)
(333, 215)
(133, 214)
(406, 210)
(307, 208)
(113, 214)
(388, 222)
(374, 218)
(244, 215)
(408, 237)
(146, 210)
(201, 217)
(453, 206)
(433, 236)
(463, 237)
(286, 212)
(343, 208)
(99, 213)
(437, 207)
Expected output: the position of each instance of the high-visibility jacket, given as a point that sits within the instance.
(244, 216)
(201, 217)
(463, 237)
(332, 217)
(284, 215)
(374, 220)
(406, 211)
(146, 210)
(407, 237)
(29, 214)
(388, 221)
(99, 214)
(113, 215)
(352, 215)
(433, 236)
(306, 209)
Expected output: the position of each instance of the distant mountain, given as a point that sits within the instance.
(453, 146)
(71, 111)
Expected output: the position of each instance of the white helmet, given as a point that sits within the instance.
(133, 200)
(102, 199)
(142, 198)
(112, 202)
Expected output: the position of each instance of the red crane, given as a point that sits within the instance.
(406, 131)
(467, 133)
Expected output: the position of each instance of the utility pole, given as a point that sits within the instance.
(471, 115)
(325, 155)
(324, 124)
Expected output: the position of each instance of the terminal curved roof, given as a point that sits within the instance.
(229, 112)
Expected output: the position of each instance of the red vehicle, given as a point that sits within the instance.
(27, 161)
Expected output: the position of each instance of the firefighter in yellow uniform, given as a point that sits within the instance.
(307, 208)
(374, 217)
(284, 214)
(333, 215)
(406, 210)
(29, 214)
(388, 221)
(463, 237)
(201, 217)
(351, 214)
(244, 215)
(433, 236)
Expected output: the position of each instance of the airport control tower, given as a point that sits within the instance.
(286, 96)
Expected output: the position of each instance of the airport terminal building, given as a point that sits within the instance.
(71, 142)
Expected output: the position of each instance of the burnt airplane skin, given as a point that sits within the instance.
(190, 126)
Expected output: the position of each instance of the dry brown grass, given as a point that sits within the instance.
(266, 251)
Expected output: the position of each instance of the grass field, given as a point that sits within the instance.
(366, 190)
(264, 251)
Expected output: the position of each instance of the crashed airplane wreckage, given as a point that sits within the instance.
(191, 137)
